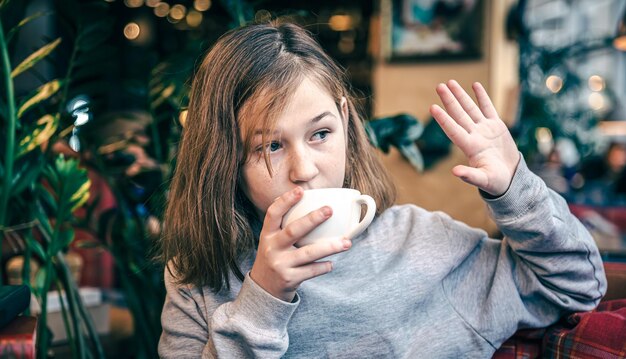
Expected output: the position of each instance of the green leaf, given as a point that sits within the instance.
(65, 237)
(81, 195)
(35, 247)
(43, 93)
(50, 175)
(25, 175)
(70, 188)
(44, 222)
(46, 127)
(47, 198)
(35, 57)
(40, 280)
(25, 21)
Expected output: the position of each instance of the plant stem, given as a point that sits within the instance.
(71, 294)
(42, 331)
(26, 272)
(74, 293)
(66, 323)
(10, 140)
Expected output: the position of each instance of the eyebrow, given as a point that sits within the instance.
(314, 120)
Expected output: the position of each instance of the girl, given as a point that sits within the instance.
(269, 116)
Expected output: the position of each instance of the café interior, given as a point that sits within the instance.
(105, 83)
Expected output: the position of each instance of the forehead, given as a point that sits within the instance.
(263, 110)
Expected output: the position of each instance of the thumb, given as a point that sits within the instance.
(471, 175)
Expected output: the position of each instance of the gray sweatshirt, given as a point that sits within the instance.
(415, 284)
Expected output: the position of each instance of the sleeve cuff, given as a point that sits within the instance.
(522, 195)
(262, 310)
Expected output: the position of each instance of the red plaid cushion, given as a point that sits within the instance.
(525, 344)
(600, 333)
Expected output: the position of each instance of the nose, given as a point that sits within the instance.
(302, 166)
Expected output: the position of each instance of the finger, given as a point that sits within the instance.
(484, 101)
(312, 270)
(318, 250)
(471, 175)
(302, 226)
(454, 108)
(455, 133)
(276, 211)
(466, 102)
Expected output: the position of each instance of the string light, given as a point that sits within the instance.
(554, 83)
(194, 18)
(596, 101)
(340, 22)
(202, 5)
(132, 31)
(133, 3)
(162, 9)
(596, 83)
(177, 12)
(545, 141)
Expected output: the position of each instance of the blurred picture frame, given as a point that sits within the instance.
(432, 30)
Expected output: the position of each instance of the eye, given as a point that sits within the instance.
(320, 135)
(271, 147)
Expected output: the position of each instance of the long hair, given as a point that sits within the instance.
(208, 219)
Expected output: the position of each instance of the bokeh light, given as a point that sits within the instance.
(554, 83)
(596, 83)
(177, 12)
(133, 3)
(132, 31)
(194, 18)
(202, 5)
(596, 101)
(162, 9)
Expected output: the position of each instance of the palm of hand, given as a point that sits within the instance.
(478, 131)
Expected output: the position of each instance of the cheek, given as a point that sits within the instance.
(258, 185)
(337, 163)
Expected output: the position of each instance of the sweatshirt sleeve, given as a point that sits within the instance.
(253, 325)
(546, 265)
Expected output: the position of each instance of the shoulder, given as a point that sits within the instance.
(414, 222)
(407, 215)
(202, 296)
(173, 285)
(408, 220)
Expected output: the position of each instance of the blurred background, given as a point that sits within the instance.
(93, 98)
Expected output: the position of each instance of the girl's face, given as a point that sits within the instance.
(307, 149)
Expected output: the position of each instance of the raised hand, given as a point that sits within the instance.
(480, 133)
(279, 267)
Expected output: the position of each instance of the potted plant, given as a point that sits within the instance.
(40, 189)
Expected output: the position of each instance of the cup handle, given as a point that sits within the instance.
(369, 215)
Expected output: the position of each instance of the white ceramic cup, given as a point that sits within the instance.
(345, 220)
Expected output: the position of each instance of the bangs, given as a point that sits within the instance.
(261, 111)
(274, 89)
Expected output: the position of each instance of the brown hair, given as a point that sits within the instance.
(208, 219)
